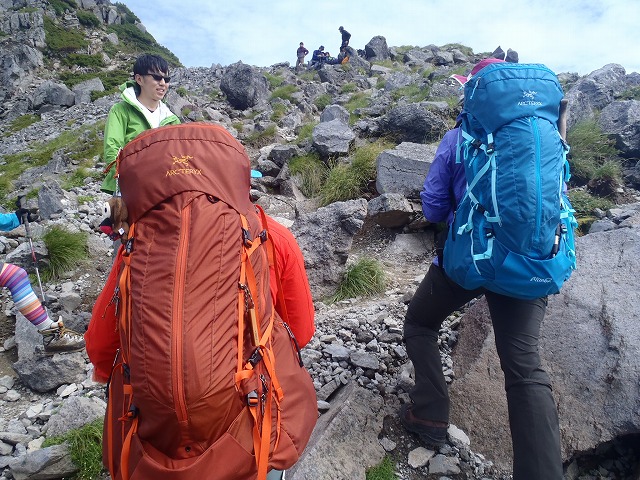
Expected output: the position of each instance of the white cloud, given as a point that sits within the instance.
(569, 36)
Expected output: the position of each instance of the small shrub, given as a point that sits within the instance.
(285, 92)
(279, 110)
(305, 132)
(23, 121)
(260, 138)
(349, 88)
(384, 63)
(590, 150)
(85, 446)
(181, 91)
(414, 93)
(364, 278)
(128, 15)
(274, 80)
(185, 111)
(356, 101)
(312, 172)
(82, 199)
(385, 470)
(87, 19)
(239, 126)
(83, 60)
(77, 178)
(309, 75)
(584, 203)
(346, 182)
(61, 41)
(632, 93)
(134, 40)
(381, 82)
(322, 101)
(66, 251)
(61, 6)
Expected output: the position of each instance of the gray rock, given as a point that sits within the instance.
(75, 412)
(590, 345)
(244, 86)
(335, 112)
(366, 361)
(83, 90)
(413, 123)
(47, 463)
(390, 210)
(51, 93)
(332, 445)
(377, 49)
(621, 121)
(403, 169)
(325, 238)
(332, 138)
(41, 372)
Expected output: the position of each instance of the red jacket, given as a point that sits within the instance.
(102, 338)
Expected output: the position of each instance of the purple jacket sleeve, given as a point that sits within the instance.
(444, 178)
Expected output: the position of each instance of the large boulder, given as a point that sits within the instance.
(334, 137)
(403, 169)
(377, 49)
(413, 123)
(244, 86)
(590, 345)
(592, 93)
(621, 122)
(325, 238)
(52, 93)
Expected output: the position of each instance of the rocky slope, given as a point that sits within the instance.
(357, 358)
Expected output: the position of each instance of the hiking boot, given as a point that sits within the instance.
(429, 432)
(59, 338)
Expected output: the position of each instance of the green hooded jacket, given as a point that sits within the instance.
(125, 122)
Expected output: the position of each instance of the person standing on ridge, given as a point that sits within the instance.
(533, 416)
(300, 54)
(140, 108)
(345, 37)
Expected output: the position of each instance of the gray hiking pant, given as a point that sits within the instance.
(533, 416)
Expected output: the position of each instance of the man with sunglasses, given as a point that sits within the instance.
(139, 109)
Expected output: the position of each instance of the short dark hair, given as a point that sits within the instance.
(150, 63)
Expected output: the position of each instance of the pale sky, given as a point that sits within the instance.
(567, 35)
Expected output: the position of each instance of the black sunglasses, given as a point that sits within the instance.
(157, 77)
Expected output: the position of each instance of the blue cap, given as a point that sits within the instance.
(256, 174)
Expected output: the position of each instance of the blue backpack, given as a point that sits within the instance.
(512, 232)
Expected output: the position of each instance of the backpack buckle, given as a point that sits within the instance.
(246, 239)
(491, 148)
(252, 399)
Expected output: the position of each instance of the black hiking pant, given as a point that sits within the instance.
(533, 416)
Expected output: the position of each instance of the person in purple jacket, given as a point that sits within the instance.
(533, 416)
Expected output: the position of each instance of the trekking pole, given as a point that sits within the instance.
(27, 227)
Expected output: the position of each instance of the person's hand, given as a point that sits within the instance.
(31, 214)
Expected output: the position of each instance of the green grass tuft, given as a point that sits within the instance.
(312, 172)
(306, 132)
(322, 101)
(590, 151)
(23, 121)
(85, 445)
(364, 278)
(66, 250)
(284, 92)
(385, 470)
(584, 203)
(346, 182)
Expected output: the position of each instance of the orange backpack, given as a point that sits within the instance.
(208, 382)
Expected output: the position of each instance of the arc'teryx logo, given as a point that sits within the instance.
(183, 166)
(529, 97)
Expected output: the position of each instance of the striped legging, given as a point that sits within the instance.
(25, 299)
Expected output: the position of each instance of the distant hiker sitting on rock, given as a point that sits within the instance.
(140, 109)
(318, 58)
(55, 336)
